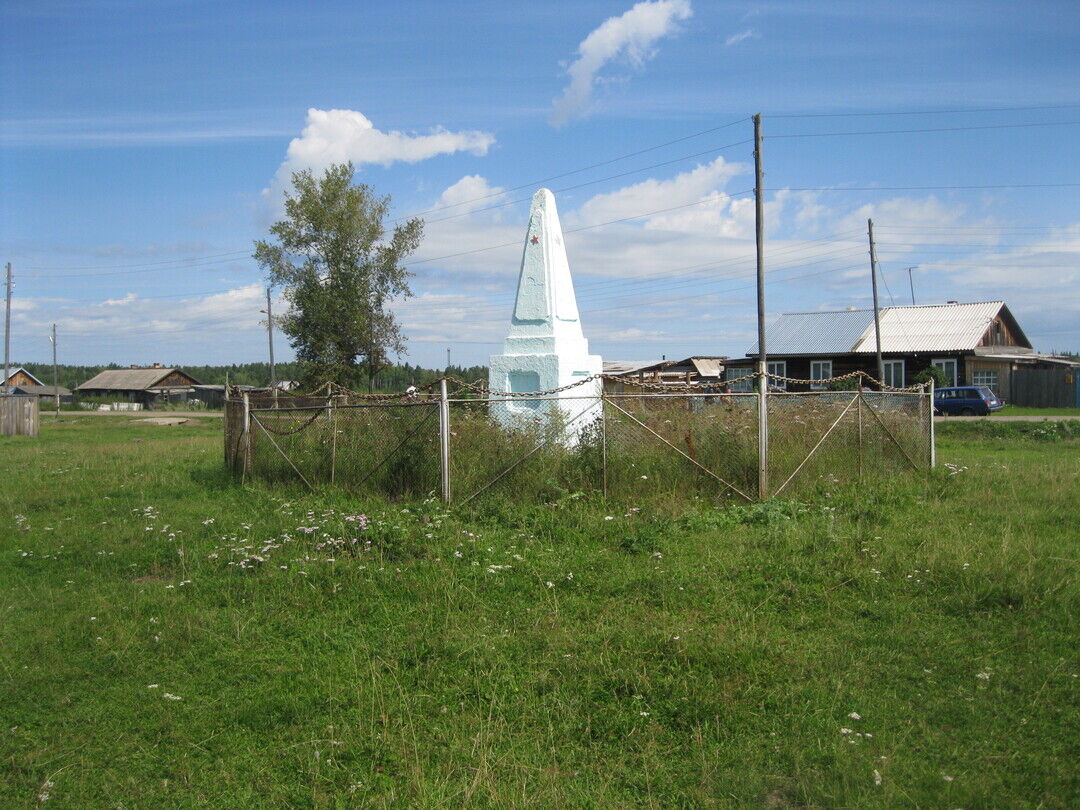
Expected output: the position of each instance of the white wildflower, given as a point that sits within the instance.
(877, 777)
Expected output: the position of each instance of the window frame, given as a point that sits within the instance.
(890, 373)
(993, 373)
(771, 366)
(825, 375)
(940, 363)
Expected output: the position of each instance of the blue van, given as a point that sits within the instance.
(966, 401)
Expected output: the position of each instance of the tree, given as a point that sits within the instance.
(932, 373)
(339, 273)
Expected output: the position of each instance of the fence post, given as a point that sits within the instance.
(859, 394)
(763, 433)
(933, 437)
(603, 435)
(247, 438)
(333, 441)
(444, 441)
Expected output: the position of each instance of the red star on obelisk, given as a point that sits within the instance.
(535, 240)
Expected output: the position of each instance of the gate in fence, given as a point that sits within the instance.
(645, 446)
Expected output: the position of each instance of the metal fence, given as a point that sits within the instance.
(633, 447)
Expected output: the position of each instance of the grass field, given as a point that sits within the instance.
(172, 639)
(1017, 410)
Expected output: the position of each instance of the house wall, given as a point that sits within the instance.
(176, 379)
(1003, 368)
(1000, 334)
(914, 364)
(20, 377)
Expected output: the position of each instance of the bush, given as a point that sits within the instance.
(932, 373)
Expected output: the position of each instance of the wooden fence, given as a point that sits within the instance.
(1045, 388)
(18, 416)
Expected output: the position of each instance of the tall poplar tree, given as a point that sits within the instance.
(339, 271)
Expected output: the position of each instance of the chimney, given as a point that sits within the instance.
(952, 302)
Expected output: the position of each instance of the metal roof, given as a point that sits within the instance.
(815, 332)
(945, 328)
(127, 379)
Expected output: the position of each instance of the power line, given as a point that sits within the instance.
(925, 112)
(583, 168)
(925, 129)
(924, 188)
(587, 183)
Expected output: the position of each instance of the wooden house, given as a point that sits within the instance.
(977, 343)
(698, 370)
(20, 376)
(154, 385)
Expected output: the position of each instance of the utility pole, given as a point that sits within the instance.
(270, 339)
(877, 311)
(911, 284)
(447, 361)
(7, 333)
(763, 383)
(55, 376)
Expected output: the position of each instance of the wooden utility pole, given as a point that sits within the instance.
(270, 339)
(7, 332)
(763, 383)
(911, 284)
(877, 311)
(448, 361)
(55, 376)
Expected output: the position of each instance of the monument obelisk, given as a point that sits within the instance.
(545, 347)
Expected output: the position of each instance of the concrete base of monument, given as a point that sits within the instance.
(576, 408)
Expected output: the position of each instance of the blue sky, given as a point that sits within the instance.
(143, 147)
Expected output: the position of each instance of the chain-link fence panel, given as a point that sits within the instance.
(525, 449)
(813, 439)
(389, 448)
(637, 448)
(666, 448)
(830, 438)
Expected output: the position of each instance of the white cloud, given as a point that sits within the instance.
(468, 194)
(631, 35)
(702, 182)
(735, 39)
(337, 136)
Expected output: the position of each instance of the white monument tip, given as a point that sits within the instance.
(545, 347)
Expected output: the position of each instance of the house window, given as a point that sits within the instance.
(987, 378)
(820, 370)
(948, 368)
(744, 386)
(779, 368)
(894, 373)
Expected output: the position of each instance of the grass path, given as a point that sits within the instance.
(171, 639)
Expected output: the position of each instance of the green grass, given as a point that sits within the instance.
(535, 656)
(1016, 410)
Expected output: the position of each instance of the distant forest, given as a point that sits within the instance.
(395, 378)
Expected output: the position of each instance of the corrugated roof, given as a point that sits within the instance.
(627, 366)
(815, 332)
(945, 328)
(126, 379)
